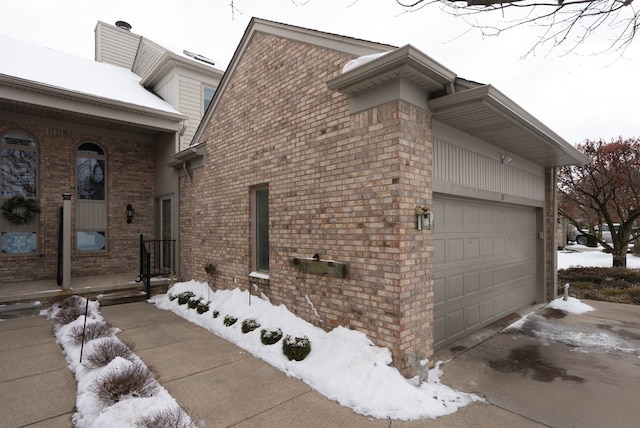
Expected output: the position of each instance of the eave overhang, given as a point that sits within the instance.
(79, 107)
(187, 155)
(406, 63)
(487, 114)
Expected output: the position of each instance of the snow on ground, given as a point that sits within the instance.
(90, 411)
(361, 376)
(580, 255)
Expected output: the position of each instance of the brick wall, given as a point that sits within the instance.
(342, 186)
(130, 172)
(550, 225)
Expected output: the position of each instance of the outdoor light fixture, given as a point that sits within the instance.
(505, 159)
(66, 196)
(130, 213)
(424, 218)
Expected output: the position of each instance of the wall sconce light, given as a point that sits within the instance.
(424, 218)
(505, 159)
(130, 213)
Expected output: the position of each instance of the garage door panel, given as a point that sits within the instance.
(455, 287)
(439, 292)
(471, 283)
(455, 250)
(489, 264)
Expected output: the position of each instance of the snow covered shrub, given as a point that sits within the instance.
(172, 297)
(125, 380)
(193, 303)
(184, 297)
(173, 417)
(249, 324)
(216, 314)
(229, 320)
(68, 310)
(94, 330)
(270, 336)
(103, 351)
(202, 307)
(296, 348)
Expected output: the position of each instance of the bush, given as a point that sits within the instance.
(229, 320)
(104, 351)
(216, 314)
(132, 379)
(172, 297)
(184, 297)
(296, 348)
(94, 330)
(173, 417)
(249, 324)
(69, 310)
(617, 284)
(193, 303)
(271, 336)
(202, 307)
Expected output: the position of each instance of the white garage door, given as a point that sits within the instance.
(484, 264)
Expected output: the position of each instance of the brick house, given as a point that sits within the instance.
(305, 182)
(98, 131)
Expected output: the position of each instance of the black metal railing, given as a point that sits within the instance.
(60, 246)
(157, 259)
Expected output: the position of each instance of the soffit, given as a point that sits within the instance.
(485, 113)
(45, 113)
(406, 63)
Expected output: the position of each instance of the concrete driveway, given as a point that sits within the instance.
(558, 369)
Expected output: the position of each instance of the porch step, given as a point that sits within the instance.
(19, 310)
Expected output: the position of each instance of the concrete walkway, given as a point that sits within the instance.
(223, 386)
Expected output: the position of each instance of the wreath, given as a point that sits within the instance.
(20, 210)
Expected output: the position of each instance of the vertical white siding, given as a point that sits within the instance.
(115, 45)
(459, 160)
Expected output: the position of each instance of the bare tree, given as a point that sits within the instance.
(605, 191)
(562, 22)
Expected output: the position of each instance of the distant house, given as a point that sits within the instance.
(389, 196)
(102, 131)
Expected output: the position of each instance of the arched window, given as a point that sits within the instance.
(90, 172)
(18, 177)
(91, 192)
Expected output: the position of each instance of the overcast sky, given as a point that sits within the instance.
(580, 95)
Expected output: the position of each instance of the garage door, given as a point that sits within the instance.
(484, 264)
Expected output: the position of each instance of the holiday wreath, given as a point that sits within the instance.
(20, 210)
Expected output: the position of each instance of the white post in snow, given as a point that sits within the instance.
(66, 241)
(566, 292)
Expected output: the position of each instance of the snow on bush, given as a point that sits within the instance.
(344, 365)
(115, 387)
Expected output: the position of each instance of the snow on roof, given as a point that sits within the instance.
(76, 74)
(354, 63)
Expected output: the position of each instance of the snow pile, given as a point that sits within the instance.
(344, 365)
(94, 411)
(571, 305)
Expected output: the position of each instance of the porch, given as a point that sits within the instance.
(22, 298)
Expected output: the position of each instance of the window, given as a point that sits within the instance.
(19, 165)
(91, 204)
(90, 171)
(208, 96)
(261, 229)
(18, 177)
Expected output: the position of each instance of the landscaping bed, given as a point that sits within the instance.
(618, 285)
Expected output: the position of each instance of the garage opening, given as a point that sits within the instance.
(485, 264)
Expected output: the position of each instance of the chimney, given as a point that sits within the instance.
(124, 25)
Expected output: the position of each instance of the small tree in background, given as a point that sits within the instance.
(605, 191)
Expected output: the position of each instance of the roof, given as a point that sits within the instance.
(52, 79)
(477, 109)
